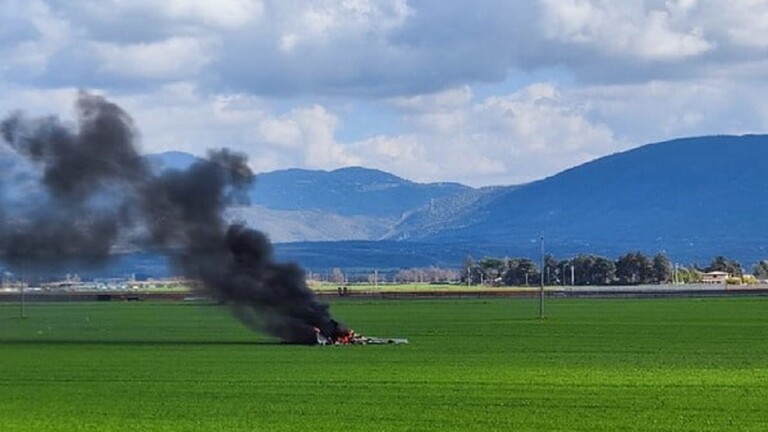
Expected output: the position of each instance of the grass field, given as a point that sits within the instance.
(591, 365)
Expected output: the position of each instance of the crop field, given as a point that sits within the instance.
(484, 365)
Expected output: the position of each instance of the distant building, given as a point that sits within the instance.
(714, 277)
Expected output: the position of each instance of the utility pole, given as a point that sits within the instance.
(541, 282)
(573, 277)
(562, 275)
(674, 278)
(22, 311)
(469, 274)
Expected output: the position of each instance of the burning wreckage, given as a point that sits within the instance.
(349, 337)
(76, 168)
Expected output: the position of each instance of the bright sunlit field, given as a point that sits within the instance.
(590, 365)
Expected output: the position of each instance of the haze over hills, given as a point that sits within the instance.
(691, 198)
(345, 204)
(347, 191)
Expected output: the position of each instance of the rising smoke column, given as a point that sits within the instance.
(88, 188)
(234, 263)
(72, 186)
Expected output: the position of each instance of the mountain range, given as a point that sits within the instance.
(346, 204)
(690, 198)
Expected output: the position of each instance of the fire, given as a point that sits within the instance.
(349, 337)
(345, 338)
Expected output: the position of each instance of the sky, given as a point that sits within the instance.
(482, 92)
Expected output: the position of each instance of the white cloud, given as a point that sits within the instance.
(490, 141)
(325, 18)
(172, 59)
(38, 102)
(661, 110)
(741, 23)
(509, 138)
(428, 158)
(181, 118)
(372, 48)
(311, 130)
(276, 79)
(445, 100)
(628, 28)
(221, 14)
(660, 41)
(281, 132)
(538, 121)
(30, 34)
(324, 23)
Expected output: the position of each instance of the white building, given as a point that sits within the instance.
(714, 277)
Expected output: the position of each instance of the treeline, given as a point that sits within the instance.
(633, 268)
(411, 275)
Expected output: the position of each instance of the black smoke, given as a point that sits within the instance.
(72, 187)
(79, 192)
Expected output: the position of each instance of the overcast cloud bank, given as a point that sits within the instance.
(491, 92)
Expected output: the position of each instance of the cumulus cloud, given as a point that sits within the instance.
(493, 140)
(30, 33)
(510, 138)
(366, 48)
(395, 84)
(446, 136)
(628, 29)
(38, 102)
(318, 23)
(171, 59)
(117, 21)
(660, 110)
(179, 117)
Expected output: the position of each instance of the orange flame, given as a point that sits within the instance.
(346, 338)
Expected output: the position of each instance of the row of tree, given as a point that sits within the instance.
(630, 269)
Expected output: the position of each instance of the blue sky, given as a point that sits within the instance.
(480, 92)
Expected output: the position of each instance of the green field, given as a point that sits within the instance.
(591, 365)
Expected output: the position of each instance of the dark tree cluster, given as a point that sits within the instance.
(633, 268)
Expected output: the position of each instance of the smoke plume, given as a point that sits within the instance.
(72, 193)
